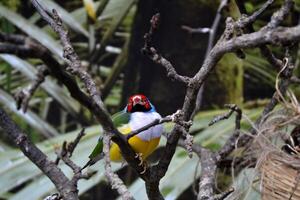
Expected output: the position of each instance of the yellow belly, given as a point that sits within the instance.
(137, 144)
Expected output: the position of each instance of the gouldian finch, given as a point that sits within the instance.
(138, 113)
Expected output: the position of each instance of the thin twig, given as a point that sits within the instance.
(231, 143)
(71, 146)
(23, 96)
(170, 118)
(211, 40)
(151, 52)
(114, 180)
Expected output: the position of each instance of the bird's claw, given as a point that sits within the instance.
(139, 156)
(144, 169)
(142, 162)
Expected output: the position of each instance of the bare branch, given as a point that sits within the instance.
(211, 40)
(27, 47)
(246, 21)
(226, 44)
(74, 64)
(23, 96)
(114, 180)
(265, 51)
(155, 57)
(231, 143)
(279, 16)
(171, 72)
(231, 41)
(93, 102)
(31, 151)
(170, 118)
(224, 195)
(68, 149)
(71, 147)
(208, 175)
(188, 143)
(232, 107)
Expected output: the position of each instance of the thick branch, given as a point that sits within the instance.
(265, 51)
(114, 179)
(37, 157)
(26, 47)
(208, 175)
(93, 102)
(74, 65)
(224, 45)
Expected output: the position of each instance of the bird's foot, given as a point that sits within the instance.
(140, 157)
(142, 162)
(145, 166)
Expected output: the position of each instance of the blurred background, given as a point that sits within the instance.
(108, 36)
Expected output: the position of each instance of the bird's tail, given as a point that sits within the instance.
(92, 161)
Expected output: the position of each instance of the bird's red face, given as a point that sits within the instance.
(138, 103)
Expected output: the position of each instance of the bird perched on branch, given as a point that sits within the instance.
(138, 113)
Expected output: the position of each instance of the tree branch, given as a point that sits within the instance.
(226, 44)
(23, 96)
(114, 180)
(155, 57)
(31, 151)
(93, 102)
(170, 118)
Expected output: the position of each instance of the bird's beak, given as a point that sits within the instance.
(136, 101)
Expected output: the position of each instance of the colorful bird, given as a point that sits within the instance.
(138, 113)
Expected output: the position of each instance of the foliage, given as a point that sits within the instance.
(52, 112)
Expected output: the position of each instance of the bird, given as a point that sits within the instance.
(138, 113)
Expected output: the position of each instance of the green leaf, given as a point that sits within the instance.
(30, 117)
(32, 30)
(57, 92)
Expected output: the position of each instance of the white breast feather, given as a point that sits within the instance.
(140, 119)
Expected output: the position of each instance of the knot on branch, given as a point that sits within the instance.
(188, 143)
(20, 139)
(56, 18)
(178, 119)
(68, 51)
(53, 197)
(229, 30)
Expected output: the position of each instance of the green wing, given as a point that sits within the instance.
(119, 119)
(98, 149)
